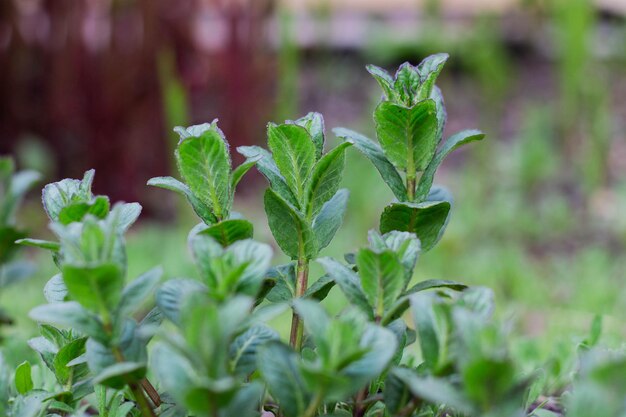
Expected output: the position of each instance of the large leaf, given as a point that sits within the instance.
(172, 295)
(325, 179)
(204, 162)
(382, 278)
(97, 288)
(330, 217)
(23, 378)
(374, 153)
(294, 153)
(243, 350)
(202, 210)
(349, 283)
(453, 142)
(268, 168)
(432, 322)
(137, 291)
(292, 233)
(279, 368)
(228, 232)
(426, 220)
(407, 135)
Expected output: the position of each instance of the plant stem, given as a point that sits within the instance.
(410, 186)
(297, 329)
(142, 401)
(315, 402)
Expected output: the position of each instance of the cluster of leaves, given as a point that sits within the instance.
(397, 349)
(13, 187)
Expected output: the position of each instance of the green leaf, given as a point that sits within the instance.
(38, 243)
(429, 70)
(240, 171)
(453, 142)
(436, 391)
(381, 345)
(97, 288)
(408, 136)
(432, 323)
(124, 215)
(70, 314)
(174, 371)
(201, 209)
(314, 124)
(294, 153)
(55, 290)
(382, 278)
(384, 80)
(268, 168)
(74, 212)
(284, 277)
(57, 195)
(315, 319)
(243, 350)
(8, 237)
(23, 378)
(173, 293)
(278, 365)
(228, 232)
(330, 218)
(292, 233)
(319, 289)
(325, 179)
(193, 131)
(66, 354)
(406, 84)
(442, 115)
(426, 220)
(374, 153)
(119, 375)
(349, 283)
(204, 163)
(137, 291)
(406, 245)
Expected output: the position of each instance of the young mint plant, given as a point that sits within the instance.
(13, 187)
(90, 297)
(304, 204)
(203, 161)
(410, 120)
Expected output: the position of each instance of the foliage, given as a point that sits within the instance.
(13, 187)
(399, 348)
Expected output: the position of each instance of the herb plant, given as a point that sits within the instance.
(398, 349)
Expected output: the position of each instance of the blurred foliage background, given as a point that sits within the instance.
(539, 212)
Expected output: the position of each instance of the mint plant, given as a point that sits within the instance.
(13, 187)
(410, 121)
(398, 349)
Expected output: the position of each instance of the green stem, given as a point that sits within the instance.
(302, 278)
(315, 402)
(410, 186)
(142, 401)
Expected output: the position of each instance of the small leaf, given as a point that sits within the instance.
(201, 209)
(241, 170)
(349, 283)
(432, 323)
(55, 290)
(435, 283)
(294, 153)
(314, 124)
(278, 365)
(243, 350)
(325, 179)
(174, 371)
(315, 319)
(98, 288)
(137, 291)
(284, 277)
(23, 378)
(268, 168)
(66, 354)
(74, 212)
(330, 218)
(453, 142)
(374, 153)
(384, 80)
(125, 215)
(228, 232)
(292, 233)
(382, 278)
(427, 220)
(319, 289)
(171, 296)
(38, 243)
(204, 163)
(408, 136)
(429, 70)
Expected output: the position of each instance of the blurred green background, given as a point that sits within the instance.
(539, 205)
